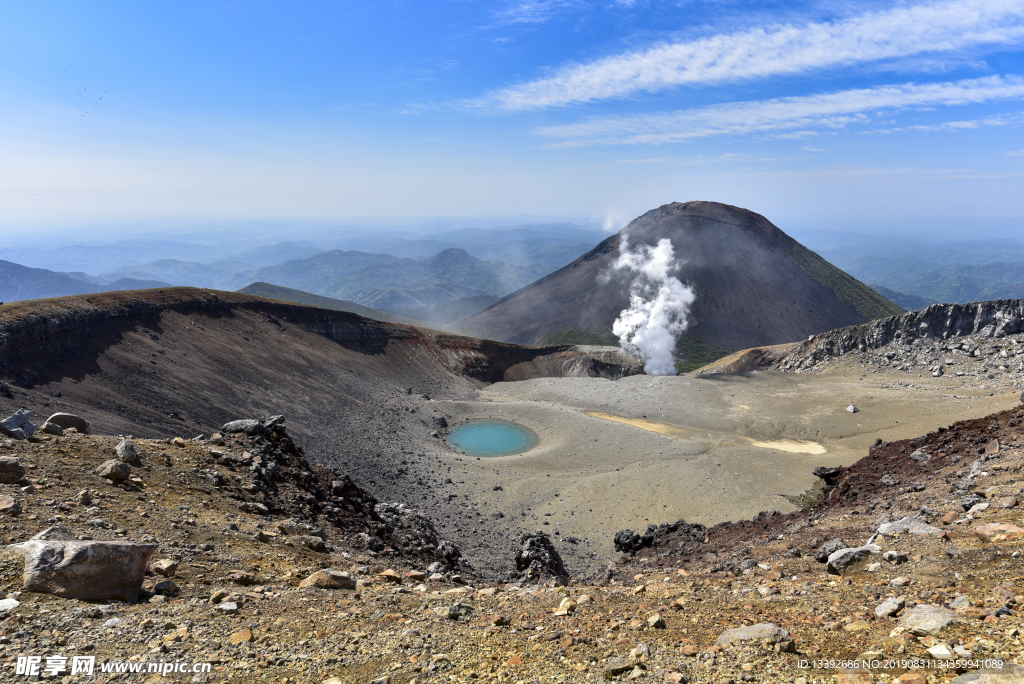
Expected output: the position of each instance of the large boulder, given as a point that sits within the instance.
(765, 632)
(11, 470)
(537, 557)
(85, 569)
(70, 420)
(18, 425)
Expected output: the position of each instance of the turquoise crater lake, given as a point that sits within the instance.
(491, 438)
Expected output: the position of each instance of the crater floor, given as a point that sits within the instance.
(736, 444)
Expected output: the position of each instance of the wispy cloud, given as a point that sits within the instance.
(932, 28)
(531, 11)
(702, 160)
(829, 110)
(1015, 153)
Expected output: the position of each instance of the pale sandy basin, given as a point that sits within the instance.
(622, 454)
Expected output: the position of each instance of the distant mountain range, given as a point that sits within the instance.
(948, 271)
(21, 282)
(905, 301)
(286, 294)
(376, 280)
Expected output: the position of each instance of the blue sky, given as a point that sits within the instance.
(136, 112)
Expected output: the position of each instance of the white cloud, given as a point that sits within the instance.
(830, 110)
(1015, 153)
(938, 27)
(531, 11)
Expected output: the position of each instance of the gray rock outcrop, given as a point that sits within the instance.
(254, 426)
(913, 524)
(18, 424)
(991, 319)
(84, 569)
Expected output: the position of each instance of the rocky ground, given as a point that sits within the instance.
(242, 521)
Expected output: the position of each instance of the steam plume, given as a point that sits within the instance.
(658, 304)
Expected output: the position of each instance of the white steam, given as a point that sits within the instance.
(658, 304)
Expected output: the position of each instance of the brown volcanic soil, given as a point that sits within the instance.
(699, 581)
(358, 394)
(755, 285)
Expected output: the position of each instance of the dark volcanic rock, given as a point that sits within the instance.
(827, 549)
(628, 541)
(537, 557)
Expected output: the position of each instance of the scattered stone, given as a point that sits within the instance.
(997, 532)
(52, 429)
(9, 505)
(228, 607)
(166, 588)
(165, 567)
(765, 632)
(115, 471)
(843, 559)
(827, 549)
(242, 637)
(852, 408)
(11, 470)
(656, 622)
(329, 579)
(927, 619)
(125, 451)
(889, 607)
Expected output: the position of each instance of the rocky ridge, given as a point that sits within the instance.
(984, 336)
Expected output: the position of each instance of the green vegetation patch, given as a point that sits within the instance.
(694, 353)
(847, 289)
(576, 335)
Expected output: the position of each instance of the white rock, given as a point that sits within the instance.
(9, 604)
(852, 409)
